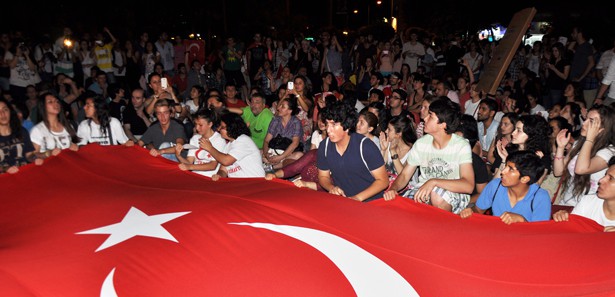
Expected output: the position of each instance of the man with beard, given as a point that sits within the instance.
(487, 124)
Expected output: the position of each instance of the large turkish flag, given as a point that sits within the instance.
(114, 221)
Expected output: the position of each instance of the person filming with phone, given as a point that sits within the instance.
(23, 71)
(162, 91)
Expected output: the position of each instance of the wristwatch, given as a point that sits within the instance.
(393, 157)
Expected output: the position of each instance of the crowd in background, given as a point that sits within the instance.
(365, 118)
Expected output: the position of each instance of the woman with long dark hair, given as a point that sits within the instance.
(502, 138)
(100, 127)
(14, 140)
(587, 161)
(241, 157)
(395, 144)
(54, 133)
(531, 133)
(285, 125)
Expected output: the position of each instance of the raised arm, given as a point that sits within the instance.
(586, 163)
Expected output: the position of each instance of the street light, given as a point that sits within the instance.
(379, 2)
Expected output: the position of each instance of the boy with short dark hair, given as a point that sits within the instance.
(515, 197)
(349, 164)
(445, 159)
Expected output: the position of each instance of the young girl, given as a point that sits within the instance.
(531, 133)
(396, 143)
(587, 161)
(424, 113)
(54, 133)
(240, 157)
(504, 136)
(367, 125)
(14, 140)
(200, 160)
(100, 127)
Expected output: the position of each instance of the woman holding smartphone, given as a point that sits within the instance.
(299, 89)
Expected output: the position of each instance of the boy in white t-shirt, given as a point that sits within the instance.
(445, 159)
(200, 160)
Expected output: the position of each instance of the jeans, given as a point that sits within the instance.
(171, 157)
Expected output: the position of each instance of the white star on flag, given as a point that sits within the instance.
(136, 223)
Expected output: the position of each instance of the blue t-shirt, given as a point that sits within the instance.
(348, 171)
(535, 206)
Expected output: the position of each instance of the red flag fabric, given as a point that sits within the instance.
(114, 221)
(196, 50)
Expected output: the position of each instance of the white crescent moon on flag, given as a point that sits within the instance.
(198, 47)
(368, 275)
(108, 289)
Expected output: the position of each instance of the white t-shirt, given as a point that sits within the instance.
(49, 140)
(202, 156)
(536, 109)
(413, 60)
(605, 61)
(471, 108)
(192, 107)
(359, 106)
(249, 160)
(473, 61)
(316, 138)
(119, 61)
(605, 154)
(590, 206)
(609, 77)
(453, 96)
(89, 132)
(21, 74)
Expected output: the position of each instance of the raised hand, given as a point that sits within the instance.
(562, 138)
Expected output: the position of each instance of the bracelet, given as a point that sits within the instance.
(558, 158)
(587, 140)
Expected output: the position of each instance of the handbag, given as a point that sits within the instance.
(279, 144)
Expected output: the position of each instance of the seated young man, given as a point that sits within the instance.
(349, 164)
(445, 159)
(599, 207)
(515, 197)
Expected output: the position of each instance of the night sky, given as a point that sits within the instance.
(129, 18)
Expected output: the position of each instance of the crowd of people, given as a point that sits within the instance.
(366, 119)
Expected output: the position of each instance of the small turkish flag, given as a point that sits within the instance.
(196, 50)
